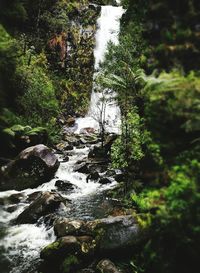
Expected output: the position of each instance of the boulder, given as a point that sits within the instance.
(12, 199)
(110, 173)
(61, 146)
(31, 197)
(64, 146)
(65, 185)
(119, 177)
(65, 158)
(115, 233)
(79, 246)
(109, 141)
(97, 152)
(110, 234)
(46, 203)
(93, 176)
(78, 241)
(64, 227)
(82, 168)
(70, 121)
(72, 139)
(32, 167)
(106, 266)
(89, 139)
(69, 147)
(104, 180)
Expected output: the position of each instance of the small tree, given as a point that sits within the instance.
(100, 114)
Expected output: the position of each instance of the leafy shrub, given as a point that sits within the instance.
(174, 233)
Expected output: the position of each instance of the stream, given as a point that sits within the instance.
(21, 245)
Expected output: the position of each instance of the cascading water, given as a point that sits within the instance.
(103, 106)
(20, 248)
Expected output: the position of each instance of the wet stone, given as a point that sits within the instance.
(65, 185)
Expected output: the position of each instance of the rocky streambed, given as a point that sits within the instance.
(54, 213)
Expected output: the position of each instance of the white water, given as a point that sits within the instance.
(108, 31)
(24, 242)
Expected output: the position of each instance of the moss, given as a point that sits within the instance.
(68, 263)
(99, 234)
(48, 250)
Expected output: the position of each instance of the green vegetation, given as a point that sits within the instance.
(154, 71)
(69, 263)
(39, 79)
(46, 73)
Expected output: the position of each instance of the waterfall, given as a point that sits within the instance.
(102, 103)
(22, 243)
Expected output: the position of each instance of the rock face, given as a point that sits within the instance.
(32, 167)
(106, 266)
(46, 203)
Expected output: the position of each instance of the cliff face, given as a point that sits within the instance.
(47, 62)
(71, 52)
(64, 32)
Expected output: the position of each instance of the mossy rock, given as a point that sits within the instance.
(32, 167)
(69, 264)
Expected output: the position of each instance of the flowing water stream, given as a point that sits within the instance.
(22, 244)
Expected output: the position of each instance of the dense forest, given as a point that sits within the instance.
(47, 74)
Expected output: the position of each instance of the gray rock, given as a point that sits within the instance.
(83, 240)
(115, 233)
(12, 199)
(82, 168)
(46, 203)
(119, 177)
(65, 185)
(93, 176)
(106, 266)
(112, 233)
(105, 180)
(66, 158)
(70, 121)
(64, 227)
(69, 147)
(32, 167)
(69, 245)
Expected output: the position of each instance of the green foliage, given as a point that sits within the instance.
(12, 13)
(8, 53)
(68, 263)
(172, 109)
(19, 130)
(174, 225)
(128, 147)
(38, 101)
